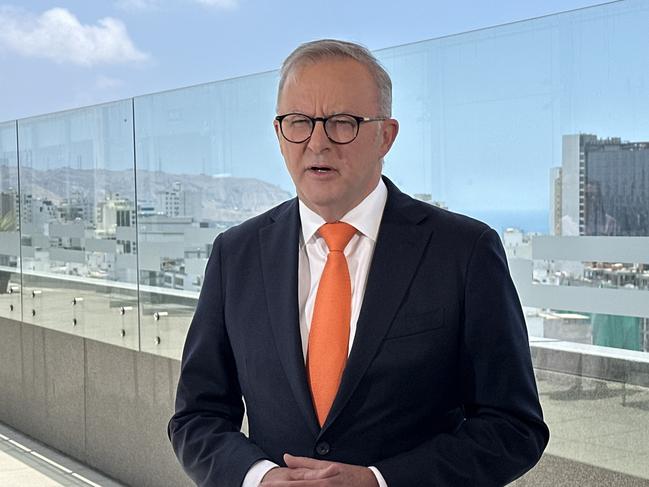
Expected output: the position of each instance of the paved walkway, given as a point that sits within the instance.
(27, 463)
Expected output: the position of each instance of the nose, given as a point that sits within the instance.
(319, 140)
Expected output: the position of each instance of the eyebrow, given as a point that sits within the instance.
(328, 114)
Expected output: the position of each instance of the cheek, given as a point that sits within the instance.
(291, 154)
(293, 161)
(362, 162)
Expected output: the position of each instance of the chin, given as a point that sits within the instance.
(323, 205)
(328, 203)
(321, 197)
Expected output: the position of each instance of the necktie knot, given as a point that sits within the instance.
(337, 235)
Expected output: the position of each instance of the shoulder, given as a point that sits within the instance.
(456, 223)
(452, 226)
(460, 232)
(462, 242)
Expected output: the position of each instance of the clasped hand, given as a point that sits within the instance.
(308, 472)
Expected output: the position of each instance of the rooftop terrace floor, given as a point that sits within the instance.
(25, 462)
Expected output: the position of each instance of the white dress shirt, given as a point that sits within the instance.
(366, 218)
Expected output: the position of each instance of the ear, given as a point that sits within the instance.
(278, 134)
(389, 131)
(280, 137)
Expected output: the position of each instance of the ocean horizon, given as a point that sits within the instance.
(528, 221)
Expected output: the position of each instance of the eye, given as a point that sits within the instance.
(298, 121)
(343, 121)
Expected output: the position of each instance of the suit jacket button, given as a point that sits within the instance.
(322, 448)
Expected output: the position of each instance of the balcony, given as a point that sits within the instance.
(108, 214)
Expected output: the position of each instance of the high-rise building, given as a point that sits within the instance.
(115, 211)
(602, 187)
(38, 212)
(77, 207)
(177, 201)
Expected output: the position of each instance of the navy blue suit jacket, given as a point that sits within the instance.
(438, 389)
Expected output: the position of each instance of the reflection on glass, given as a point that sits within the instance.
(77, 204)
(207, 159)
(9, 224)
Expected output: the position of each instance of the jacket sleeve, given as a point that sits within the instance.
(205, 428)
(503, 434)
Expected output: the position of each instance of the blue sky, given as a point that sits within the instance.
(56, 55)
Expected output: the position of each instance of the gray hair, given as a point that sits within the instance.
(314, 51)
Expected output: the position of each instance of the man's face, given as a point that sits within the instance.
(331, 178)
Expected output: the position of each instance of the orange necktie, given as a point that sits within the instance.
(329, 334)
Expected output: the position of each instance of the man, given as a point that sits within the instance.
(377, 340)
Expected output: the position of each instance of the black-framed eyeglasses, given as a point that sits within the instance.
(341, 128)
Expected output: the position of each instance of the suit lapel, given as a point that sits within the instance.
(402, 239)
(279, 259)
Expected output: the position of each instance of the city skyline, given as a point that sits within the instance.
(76, 182)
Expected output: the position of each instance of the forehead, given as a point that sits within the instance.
(330, 85)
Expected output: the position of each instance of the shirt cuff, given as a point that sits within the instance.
(256, 473)
(379, 477)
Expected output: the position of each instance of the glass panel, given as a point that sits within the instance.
(207, 159)
(78, 217)
(10, 305)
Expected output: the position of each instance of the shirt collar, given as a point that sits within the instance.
(365, 217)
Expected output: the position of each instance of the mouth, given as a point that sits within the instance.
(321, 169)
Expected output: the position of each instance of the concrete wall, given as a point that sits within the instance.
(104, 405)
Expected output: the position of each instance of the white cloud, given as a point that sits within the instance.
(224, 4)
(57, 34)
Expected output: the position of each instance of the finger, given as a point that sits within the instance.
(296, 474)
(305, 473)
(320, 473)
(304, 462)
